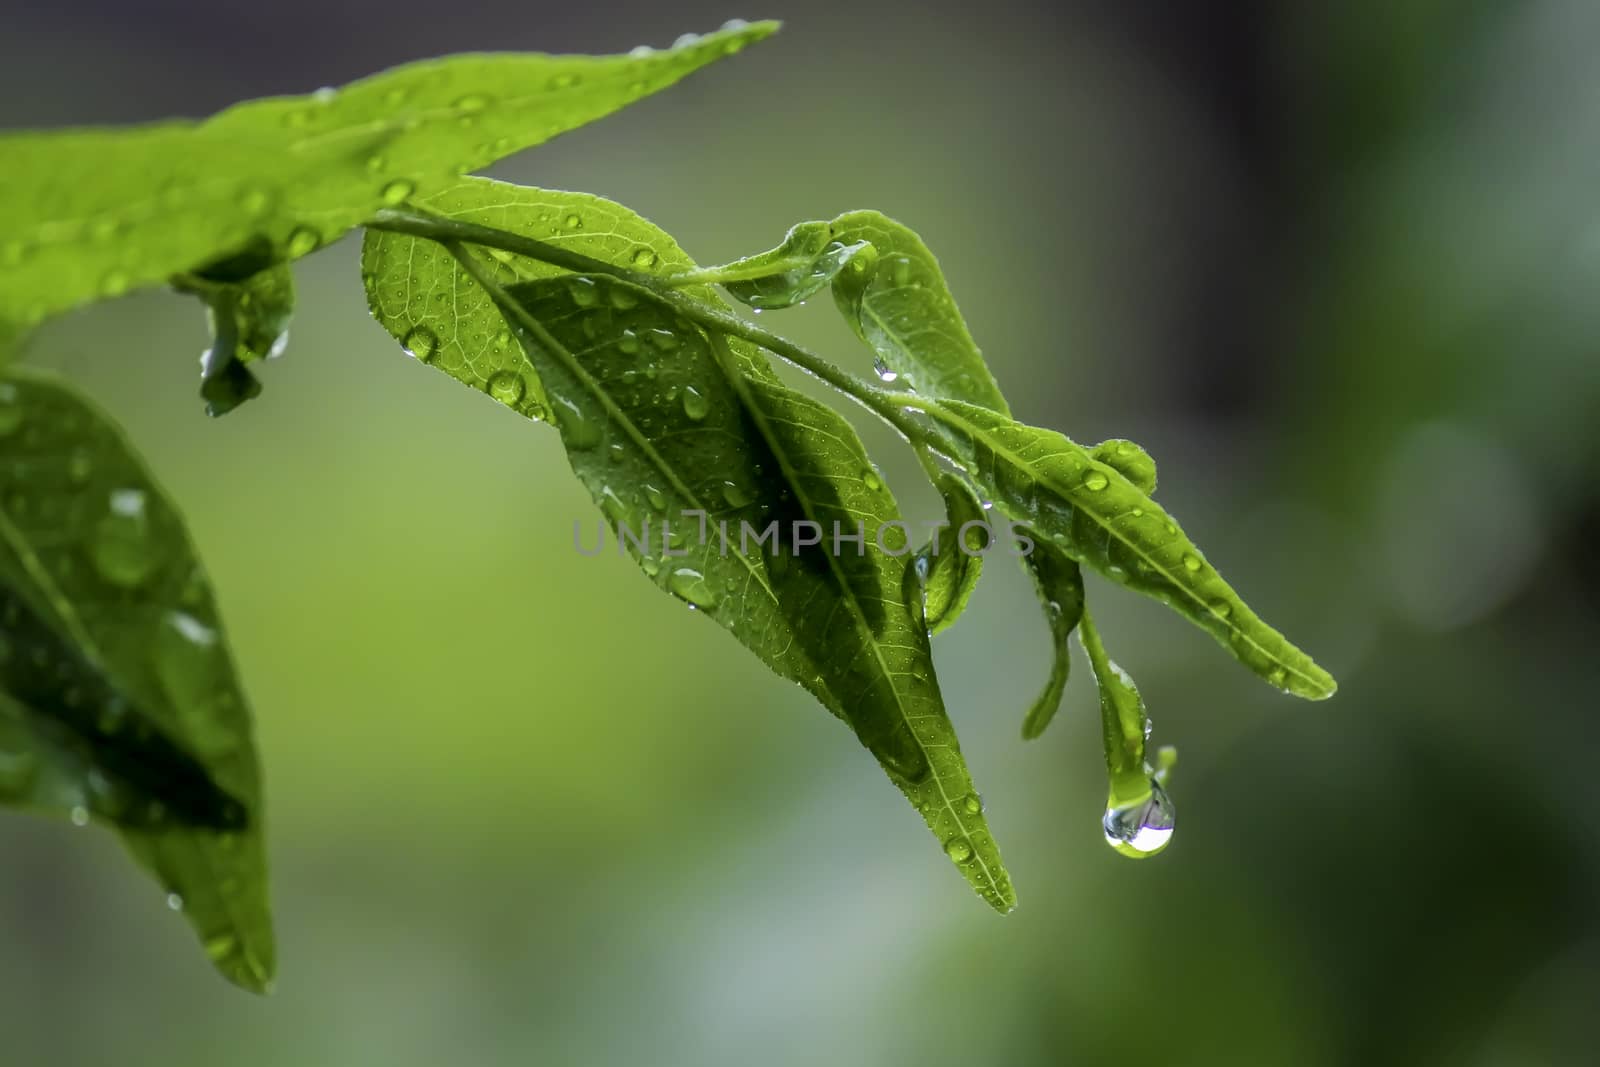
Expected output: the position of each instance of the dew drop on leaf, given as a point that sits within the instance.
(584, 292)
(690, 585)
(871, 480)
(302, 241)
(421, 343)
(958, 850)
(472, 102)
(175, 901)
(507, 387)
(122, 547)
(573, 221)
(973, 803)
(657, 498)
(11, 413)
(1142, 828)
(695, 404)
(1191, 563)
(397, 190)
(644, 259)
(735, 495)
(1094, 481)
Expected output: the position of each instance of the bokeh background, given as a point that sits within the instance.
(1335, 264)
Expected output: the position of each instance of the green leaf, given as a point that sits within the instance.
(1139, 817)
(249, 318)
(655, 424)
(1059, 583)
(903, 310)
(1102, 520)
(140, 704)
(93, 213)
(951, 561)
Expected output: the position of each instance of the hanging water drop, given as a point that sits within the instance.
(882, 370)
(303, 241)
(1141, 828)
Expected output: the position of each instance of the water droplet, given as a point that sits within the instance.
(958, 850)
(644, 259)
(565, 80)
(622, 298)
(398, 190)
(376, 163)
(11, 413)
(254, 200)
(585, 293)
(573, 221)
(657, 498)
(581, 432)
(1094, 481)
(735, 495)
(900, 270)
(1221, 608)
(302, 241)
(122, 546)
(1191, 563)
(695, 405)
(690, 585)
(221, 947)
(79, 815)
(472, 102)
(1278, 677)
(115, 283)
(79, 466)
(665, 340)
(882, 370)
(641, 51)
(507, 387)
(175, 901)
(686, 40)
(973, 803)
(870, 478)
(421, 343)
(1142, 828)
(1137, 513)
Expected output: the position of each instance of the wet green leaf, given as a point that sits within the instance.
(803, 265)
(121, 695)
(1102, 520)
(93, 213)
(951, 561)
(903, 310)
(655, 426)
(1059, 584)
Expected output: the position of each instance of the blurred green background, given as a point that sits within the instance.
(1334, 264)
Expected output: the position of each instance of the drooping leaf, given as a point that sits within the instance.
(1102, 520)
(1059, 584)
(951, 561)
(654, 426)
(903, 310)
(94, 213)
(1139, 817)
(104, 587)
(249, 319)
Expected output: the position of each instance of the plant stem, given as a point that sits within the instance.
(889, 406)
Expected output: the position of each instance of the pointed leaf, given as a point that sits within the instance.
(903, 310)
(93, 213)
(951, 562)
(1059, 583)
(96, 555)
(1101, 519)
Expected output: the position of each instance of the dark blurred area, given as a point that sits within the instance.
(1334, 264)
